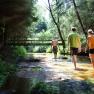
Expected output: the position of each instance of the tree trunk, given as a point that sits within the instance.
(58, 27)
(79, 18)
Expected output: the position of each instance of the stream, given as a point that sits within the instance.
(33, 72)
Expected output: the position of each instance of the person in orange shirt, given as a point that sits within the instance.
(90, 44)
(54, 47)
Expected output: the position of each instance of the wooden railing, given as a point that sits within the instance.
(30, 42)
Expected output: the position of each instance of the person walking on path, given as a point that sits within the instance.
(54, 45)
(90, 45)
(74, 44)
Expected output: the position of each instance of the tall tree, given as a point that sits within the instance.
(15, 16)
(86, 10)
(57, 22)
(79, 18)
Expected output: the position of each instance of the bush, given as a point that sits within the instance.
(60, 50)
(42, 49)
(36, 49)
(39, 49)
(5, 70)
(43, 88)
(20, 51)
(49, 50)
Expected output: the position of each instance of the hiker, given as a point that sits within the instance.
(90, 45)
(54, 47)
(74, 44)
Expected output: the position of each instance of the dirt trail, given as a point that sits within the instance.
(48, 69)
(59, 69)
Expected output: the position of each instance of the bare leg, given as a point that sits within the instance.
(74, 60)
(55, 55)
(93, 64)
(92, 61)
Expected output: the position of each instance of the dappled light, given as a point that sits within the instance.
(61, 68)
(46, 46)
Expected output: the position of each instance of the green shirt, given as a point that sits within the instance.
(74, 40)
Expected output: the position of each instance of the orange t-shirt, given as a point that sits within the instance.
(91, 41)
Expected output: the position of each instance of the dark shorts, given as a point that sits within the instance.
(91, 51)
(74, 51)
(55, 49)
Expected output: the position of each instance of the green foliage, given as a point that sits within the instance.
(86, 12)
(41, 26)
(19, 15)
(43, 88)
(44, 35)
(60, 50)
(5, 70)
(36, 49)
(48, 50)
(39, 49)
(83, 40)
(20, 51)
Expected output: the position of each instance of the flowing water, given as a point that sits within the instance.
(58, 72)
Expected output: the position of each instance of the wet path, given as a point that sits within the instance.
(60, 69)
(50, 70)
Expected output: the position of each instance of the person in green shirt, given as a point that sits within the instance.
(74, 44)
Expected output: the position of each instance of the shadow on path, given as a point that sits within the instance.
(60, 71)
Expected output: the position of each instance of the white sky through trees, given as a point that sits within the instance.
(44, 6)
